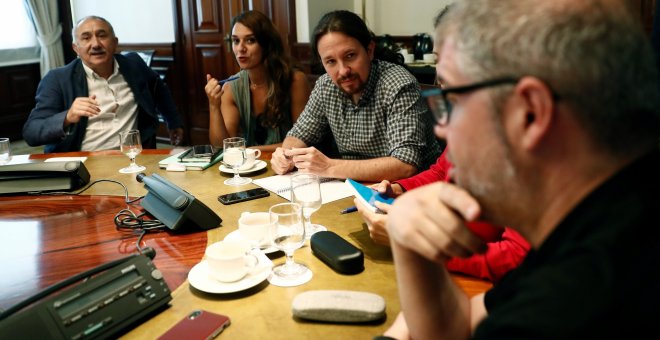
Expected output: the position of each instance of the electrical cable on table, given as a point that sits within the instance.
(125, 219)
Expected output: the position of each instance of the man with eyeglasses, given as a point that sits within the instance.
(506, 248)
(551, 114)
(87, 103)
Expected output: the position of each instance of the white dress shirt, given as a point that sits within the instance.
(118, 110)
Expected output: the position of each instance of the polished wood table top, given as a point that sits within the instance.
(54, 237)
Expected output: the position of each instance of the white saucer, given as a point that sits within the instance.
(258, 165)
(418, 63)
(236, 235)
(318, 228)
(200, 279)
(276, 281)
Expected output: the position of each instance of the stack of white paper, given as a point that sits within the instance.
(332, 189)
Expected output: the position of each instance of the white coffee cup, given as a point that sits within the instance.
(251, 156)
(230, 261)
(408, 58)
(429, 58)
(253, 227)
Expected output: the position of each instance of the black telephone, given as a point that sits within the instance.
(43, 177)
(243, 196)
(174, 206)
(103, 306)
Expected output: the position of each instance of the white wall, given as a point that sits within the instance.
(152, 21)
(134, 21)
(309, 12)
(302, 21)
(393, 17)
(396, 17)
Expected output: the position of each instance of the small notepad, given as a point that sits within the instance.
(332, 189)
(174, 159)
(65, 159)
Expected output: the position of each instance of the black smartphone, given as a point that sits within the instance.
(200, 153)
(242, 196)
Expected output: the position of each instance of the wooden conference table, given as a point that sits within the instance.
(49, 238)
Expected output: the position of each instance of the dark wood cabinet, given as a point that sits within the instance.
(644, 10)
(18, 84)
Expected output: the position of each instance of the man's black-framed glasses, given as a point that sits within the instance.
(441, 107)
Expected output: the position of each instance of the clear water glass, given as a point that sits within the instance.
(5, 151)
(306, 191)
(234, 157)
(287, 233)
(130, 144)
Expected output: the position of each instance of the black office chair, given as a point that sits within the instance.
(147, 55)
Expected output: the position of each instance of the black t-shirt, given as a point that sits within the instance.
(597, 275)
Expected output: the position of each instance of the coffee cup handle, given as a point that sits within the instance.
(252, 262)
(257, 153)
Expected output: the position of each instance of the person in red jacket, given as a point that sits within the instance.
(506, 248)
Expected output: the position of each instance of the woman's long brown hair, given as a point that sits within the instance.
(278, 64)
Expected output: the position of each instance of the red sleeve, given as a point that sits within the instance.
(437, 172)
(499, 259)
(504, 253)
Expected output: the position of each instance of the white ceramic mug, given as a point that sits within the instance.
(230, 261)
(253, 227)
(408, 58)
(429, 58)
(251, 156)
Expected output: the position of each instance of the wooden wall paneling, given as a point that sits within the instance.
(206, 28)
(206, 16)
(209, 61)
(64, 8)
(18, 85)
(644, 10)
(647, 13)
(264, 6)
(302, 53)
(284, 17)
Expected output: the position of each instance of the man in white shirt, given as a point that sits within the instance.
(87, 103)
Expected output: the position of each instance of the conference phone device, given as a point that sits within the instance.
(43, 177)
(101, 307)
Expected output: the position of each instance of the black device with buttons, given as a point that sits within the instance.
(101, 307)
(43, 177)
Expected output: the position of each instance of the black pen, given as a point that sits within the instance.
(228, 79)
(349, 210)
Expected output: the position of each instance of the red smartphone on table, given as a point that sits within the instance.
(198, 325)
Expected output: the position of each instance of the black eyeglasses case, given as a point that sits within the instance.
(337, 253)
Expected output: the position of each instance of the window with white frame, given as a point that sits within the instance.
(18, 43)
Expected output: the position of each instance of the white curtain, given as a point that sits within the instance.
(45, 17)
